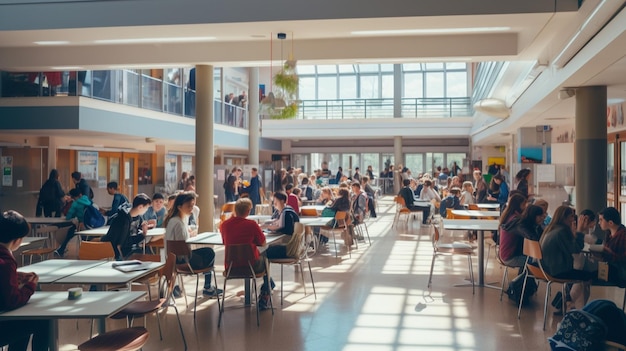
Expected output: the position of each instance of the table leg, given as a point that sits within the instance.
(102, 325)
(481, 257)
(54, 335)
(246, 289)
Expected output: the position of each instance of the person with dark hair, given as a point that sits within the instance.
(525, 226)
(119, 199)
(359, 203)
(562, 238)
(81, 184)
(614, 249)
(284, 217)
(480, 187)
(254, 188)
(370, 172)
(292, 199)
(155, 215)
(77, 214)
(407, 194)
(371, 195)
(16, 288)
(502, 193)
(231, 186)
(176, 228)
(183, 181)
(522, 178)
(452, 201)
(339, 175)
(51, 196)
(128, 229)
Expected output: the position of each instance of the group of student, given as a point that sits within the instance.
(562, 237)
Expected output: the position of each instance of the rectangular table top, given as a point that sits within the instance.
(106, 274)
(471, 224)
(478, 214)
(103, 230)
(55, 305)
(50, 271)
(315, 221)
(27, 240)
(259, 218)
(489, 206)
(215, 238)
(46, 220)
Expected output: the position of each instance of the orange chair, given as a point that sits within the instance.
(308, 212)
(402, 209)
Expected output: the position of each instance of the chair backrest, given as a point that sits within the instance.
(238, 260)
(295, 246)
(94, 250)
(145, 257)
(400, 200)
(168, 272)
(308, 212)
(532, 249)
(179, 248)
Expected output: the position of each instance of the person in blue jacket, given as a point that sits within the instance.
(254, 189)
(503, 195)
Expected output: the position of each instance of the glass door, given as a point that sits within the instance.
(129, 183)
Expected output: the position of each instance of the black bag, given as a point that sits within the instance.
(515, 288)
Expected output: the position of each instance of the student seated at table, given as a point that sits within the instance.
(525, 226)
(371, 195)
(614, 250)
(176, 228)
(156, 212)
(238, 230)
(451, 201)
(292, 199)
(77, 212)
(498, 190)
(407, 195)
(16, 289)
(118, 199)
(326, 197)
(282, 222)
(512, 245)
(307, 190)
(128, 229)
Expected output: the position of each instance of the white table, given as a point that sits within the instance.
(104, 274)
(489, 206)
(477, 214)
(55, 305)
(50, 271)
(479, 225)
(47, 220)
(259, 218)
(315, 221)
(102, 231)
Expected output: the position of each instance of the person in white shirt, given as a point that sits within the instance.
(467, 197)
(429, 194)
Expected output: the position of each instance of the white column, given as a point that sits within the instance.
(397, 154)
(254, 132)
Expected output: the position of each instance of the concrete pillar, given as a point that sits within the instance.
(591, 151)
(397, 90)
(52, 154)
(204, 146)
(159, 177)
(254, 133)
(397, 154)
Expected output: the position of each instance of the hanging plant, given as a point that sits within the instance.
(283, 104)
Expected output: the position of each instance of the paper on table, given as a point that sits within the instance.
(126, 263)
(131, 266)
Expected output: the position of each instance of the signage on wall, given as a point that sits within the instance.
(88, 164)
(7, 170)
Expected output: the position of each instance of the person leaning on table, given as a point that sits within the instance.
(16, 288)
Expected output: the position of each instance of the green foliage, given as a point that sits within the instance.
(287, 82)
(289, 112)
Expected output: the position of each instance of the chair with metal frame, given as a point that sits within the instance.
(143, 308)
(341, 223)
(54, 235)
(128, 339)
(298, 237)
(181, 249)
(455, 248)
(96, 250)
(240, 261)
(532, 250)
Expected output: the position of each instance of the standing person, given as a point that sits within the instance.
(238, 230)
(128, 229)
(356, 176)
(280, 179)
(480, 187)
(231, 101)
(118, 199)
(155, 215)
(562, 238)
(522, 178)
(339, 175)
(176, 228)
(17, 288)
(51, 196)
(407, 194)
(254, 189)
(290, 177)
(455, 171)
(614, 249)
(82, 185)
(183, 181)
(231, 185)
(370, 172)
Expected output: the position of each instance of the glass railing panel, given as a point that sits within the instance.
(151, 93)
(129, 89)
(101, 86)
(190, 103)
(173, 99)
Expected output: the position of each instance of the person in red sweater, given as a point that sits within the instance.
(238, 230)
(16, 288)
(292, 199)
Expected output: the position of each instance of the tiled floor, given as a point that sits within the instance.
(377, 300)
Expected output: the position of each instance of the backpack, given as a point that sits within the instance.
(92, 217)
(613, 317)
(579, 331)
(514, 291)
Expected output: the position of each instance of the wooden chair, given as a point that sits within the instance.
(149, 279)
(94, 250)
(341, 223)
(129, 339)
(308, 212)
(401, 209)
(156, 245)
(143, 308)
(55, 236)
(299, 237)
(227, 209)
(182, 251)
(240, 260)
(455, 248)
(532, 250)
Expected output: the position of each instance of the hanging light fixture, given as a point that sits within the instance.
(283, 103)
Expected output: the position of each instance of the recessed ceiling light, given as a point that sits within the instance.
(153, 40)
(51, 42)
(432, 31)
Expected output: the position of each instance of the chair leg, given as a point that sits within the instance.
(521, 300)
(487, 259)
(368, 234)
(182, 287)
(256, 298)
(195, 299)
(218, 296)
(545, 304)
(313, 283)
(335, 242)
(221, 309)
(182, 333)
(430, 277)
(281, 284)
(471, 271)
(302, 275)
(505, 277)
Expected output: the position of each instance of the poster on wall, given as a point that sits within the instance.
(88, 164)
(170, 171)
(7, 170)
(186, 164)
